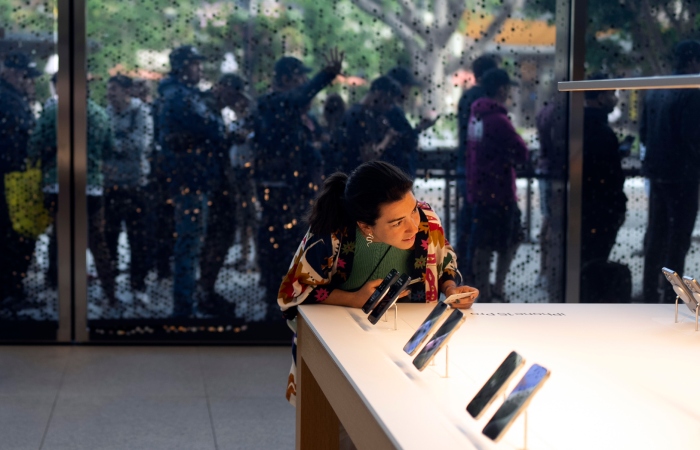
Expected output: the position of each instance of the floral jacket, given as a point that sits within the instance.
(322, 263)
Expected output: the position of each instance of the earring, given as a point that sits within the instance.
(369, 238)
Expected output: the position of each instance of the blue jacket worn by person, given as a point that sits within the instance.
(16, 125)
(190, 135)
(283, 153)
(493, 150)
(670, 130)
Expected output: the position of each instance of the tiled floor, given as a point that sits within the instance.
(152, 398)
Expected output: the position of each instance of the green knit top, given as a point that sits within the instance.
(366, 258)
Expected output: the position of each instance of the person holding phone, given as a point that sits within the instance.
(361, 226)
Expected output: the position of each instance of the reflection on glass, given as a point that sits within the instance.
(439, 339)
(516, 402)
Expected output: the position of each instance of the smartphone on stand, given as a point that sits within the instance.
(694, 288)
(389, 299)
(427, 327)
(495, 385)
(517, 402)
(439, 339)
(680, 288)
(462, 297)
(380, 292)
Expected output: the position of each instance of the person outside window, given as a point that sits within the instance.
(493, 150)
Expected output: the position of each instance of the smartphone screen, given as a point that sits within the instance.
(516, 402)
(425, 328)
(495, 385)
(380, 292)
(389, 299)
(439, 339)
(679, 288)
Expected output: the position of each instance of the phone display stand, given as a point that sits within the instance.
(396, 317)
(447, 361)
(525, 430)
(524, 447)
(697, 310)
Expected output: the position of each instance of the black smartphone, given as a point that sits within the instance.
(495, 385)
(680, 288)
(427, 327)
(439, 339)
(400, 285)
(516, 402)
(380, 292)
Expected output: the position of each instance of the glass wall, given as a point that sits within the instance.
(511, 178)
(640, 160)
(28, 204)
(211, 127)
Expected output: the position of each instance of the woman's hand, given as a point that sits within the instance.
(464, 302)
(368, 289)
(364, 293)
(358, 298)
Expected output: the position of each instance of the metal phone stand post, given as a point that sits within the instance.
(447, 362)
(396, 317)
(524, 425)
(697, 310)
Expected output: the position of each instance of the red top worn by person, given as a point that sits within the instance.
(493, 150)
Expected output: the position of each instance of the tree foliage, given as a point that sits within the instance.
(635, 37)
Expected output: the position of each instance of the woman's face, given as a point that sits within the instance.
(397, 224)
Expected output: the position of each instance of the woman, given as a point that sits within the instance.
(361, 227)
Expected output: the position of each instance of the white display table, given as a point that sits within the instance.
(623, 376)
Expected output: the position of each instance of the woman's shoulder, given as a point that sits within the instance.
(327, 239)
(428, 211)
(432, 222)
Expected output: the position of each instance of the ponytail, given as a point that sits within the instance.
(358, 197)
(328, 213)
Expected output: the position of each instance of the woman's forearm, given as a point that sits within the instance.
(339, 297)
(447, 284)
